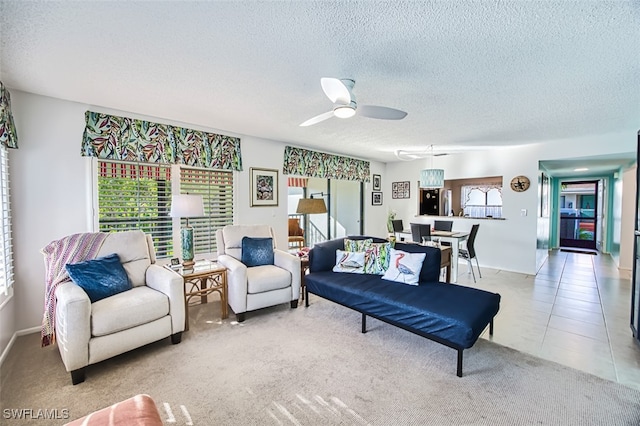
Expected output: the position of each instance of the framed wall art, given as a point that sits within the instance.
(377, 183)
(376, 198)
(264, 187)
(400, 189)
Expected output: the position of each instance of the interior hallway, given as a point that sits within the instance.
(575, 311)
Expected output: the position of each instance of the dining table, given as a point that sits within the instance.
(452, 237)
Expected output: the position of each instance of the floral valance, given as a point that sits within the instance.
(303, 162)
(8, 134)
(127, 139)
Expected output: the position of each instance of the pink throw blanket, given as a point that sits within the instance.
(72, 249)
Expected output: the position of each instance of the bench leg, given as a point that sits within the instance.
(459, 370)
(306, 297)
(491, 327)
(364, 323)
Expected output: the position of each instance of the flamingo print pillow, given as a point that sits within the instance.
(349, 261)
(404, 267)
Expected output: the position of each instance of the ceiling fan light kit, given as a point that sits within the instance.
(345, 106)
(344, 111)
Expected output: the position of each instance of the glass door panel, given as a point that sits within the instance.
(345, 208)
(578, 208)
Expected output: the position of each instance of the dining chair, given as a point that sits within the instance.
(469, 252)
(398, 227)
(443, 225)
(420, 232)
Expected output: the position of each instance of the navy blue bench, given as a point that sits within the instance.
(449, 314)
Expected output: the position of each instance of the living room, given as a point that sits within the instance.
(52, 185)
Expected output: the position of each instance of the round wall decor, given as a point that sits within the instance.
(520, 183)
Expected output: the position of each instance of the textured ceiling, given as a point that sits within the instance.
(480, 73)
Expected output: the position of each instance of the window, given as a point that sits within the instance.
(136, 196)
(216, 188)
(6, 252)
(482, 200)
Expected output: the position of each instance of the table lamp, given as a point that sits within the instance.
(185, 205)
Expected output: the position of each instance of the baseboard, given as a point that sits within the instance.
(17, 334)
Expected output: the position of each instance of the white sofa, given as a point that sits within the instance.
(153, 309)
(256, 287)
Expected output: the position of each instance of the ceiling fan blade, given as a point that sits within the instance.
(317, 119)
(380, 112)
(335, 90)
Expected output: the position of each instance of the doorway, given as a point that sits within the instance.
(579, 214)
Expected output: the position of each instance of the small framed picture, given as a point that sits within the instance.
(175, 261)
(264, 187)
(377, 183)
(376, 198)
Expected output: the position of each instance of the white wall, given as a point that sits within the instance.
(627, 225)
(51, 193)
(509, 244)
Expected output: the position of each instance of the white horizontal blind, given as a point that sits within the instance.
(216, 188)
(136, 196)
(6, 251)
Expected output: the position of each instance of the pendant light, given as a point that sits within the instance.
(431, 178)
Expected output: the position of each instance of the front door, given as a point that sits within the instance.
(578, 214)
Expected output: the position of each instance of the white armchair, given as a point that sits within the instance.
(151, 310)
(256, 287)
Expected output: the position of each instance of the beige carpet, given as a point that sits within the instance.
(312, 366)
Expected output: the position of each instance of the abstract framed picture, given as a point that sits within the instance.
(377, 183)
(264, 187)
(400, 189)
(376, 198)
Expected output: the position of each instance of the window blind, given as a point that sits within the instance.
(216, 189)
(6, 251)
(136, 196)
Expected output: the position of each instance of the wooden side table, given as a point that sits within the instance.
(445, 261)
(204, 278)
(304, 267)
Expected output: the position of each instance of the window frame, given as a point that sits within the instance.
(465, 196)
(176, 187)
(219, 194)
(7, 279)
(164, 241)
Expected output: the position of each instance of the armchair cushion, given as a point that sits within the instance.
(266, 278)
(101, 277)
(257, 251)
(138, 306)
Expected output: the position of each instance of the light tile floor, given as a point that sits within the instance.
(575, 311)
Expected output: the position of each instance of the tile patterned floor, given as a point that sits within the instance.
(575, 312)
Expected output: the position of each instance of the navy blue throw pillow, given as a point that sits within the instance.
(257, 251)
(101, 277)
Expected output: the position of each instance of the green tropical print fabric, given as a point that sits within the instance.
(8, 134)
(127, 139)
(376, 260)
(303, 162)
(357, 245)
(377, 255)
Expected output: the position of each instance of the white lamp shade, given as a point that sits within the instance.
(186, 205)
(432, 178)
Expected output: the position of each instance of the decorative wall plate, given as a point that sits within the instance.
(520, 183)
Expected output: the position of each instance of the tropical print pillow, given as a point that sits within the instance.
(376, 259)
(357, 245)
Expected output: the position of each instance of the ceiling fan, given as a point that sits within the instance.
(345, 106)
